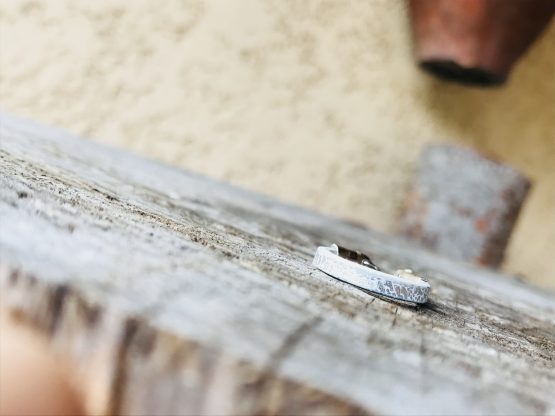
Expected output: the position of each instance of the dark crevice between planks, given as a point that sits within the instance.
(119, 381)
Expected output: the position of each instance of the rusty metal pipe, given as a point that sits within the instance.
(476, 41)
(463, 204)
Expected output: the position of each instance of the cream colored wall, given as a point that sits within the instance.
(317, 102)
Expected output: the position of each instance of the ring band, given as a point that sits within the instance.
(403, 285)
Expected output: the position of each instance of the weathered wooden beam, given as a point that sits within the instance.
(173, 293)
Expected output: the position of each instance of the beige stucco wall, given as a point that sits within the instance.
(317, 102)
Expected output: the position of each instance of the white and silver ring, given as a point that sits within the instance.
(403, 285)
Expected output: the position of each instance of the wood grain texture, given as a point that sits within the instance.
(173, 293)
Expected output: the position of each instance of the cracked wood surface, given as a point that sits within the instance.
(173, 293)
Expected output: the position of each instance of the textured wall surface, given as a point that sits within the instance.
(317, 102)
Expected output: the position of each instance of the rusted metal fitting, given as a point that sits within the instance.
(463, 204)
(476, 41)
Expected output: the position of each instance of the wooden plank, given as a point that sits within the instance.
(174, 293)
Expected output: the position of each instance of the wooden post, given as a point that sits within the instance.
(177, 294)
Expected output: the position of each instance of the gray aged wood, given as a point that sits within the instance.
(173, 293)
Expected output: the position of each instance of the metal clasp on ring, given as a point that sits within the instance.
(357, 257)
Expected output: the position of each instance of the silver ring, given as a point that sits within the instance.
(357, 269)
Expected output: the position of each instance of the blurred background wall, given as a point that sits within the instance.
(316, 102)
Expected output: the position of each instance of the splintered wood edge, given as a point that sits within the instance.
(116, 358)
